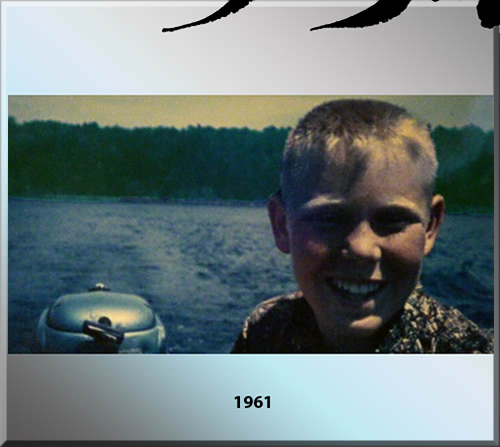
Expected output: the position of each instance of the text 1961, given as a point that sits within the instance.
(249, 401)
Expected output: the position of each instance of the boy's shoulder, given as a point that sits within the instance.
(279, 305)
(427, 325)
(283, 324)
(286, 324)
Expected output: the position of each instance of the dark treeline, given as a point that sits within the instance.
(466, 168)
(52, 158)
(49, 158)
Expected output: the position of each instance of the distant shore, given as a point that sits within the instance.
(201, 201)
(160, 200)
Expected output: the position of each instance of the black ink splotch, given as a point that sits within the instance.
(382, 11)
(230, 7)
(487, 14)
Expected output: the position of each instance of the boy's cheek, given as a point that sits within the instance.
(408, 247)
(402, 264)
(308, 249)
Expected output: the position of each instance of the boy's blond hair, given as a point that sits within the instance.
(343, 135)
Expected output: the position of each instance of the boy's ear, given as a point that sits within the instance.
(436, 219)
(277, 215)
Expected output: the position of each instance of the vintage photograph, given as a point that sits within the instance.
(250, 224)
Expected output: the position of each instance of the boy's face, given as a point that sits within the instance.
(357, 248)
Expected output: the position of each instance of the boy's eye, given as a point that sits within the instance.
(393, 222)
(324, 218)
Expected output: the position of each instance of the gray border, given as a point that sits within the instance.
(496, 93)
(247, 443)
(3, 330)
(251, 443)
(3, 275)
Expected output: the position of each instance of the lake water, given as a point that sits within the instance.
(202, 267)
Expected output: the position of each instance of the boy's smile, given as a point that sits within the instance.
(357, 251)
(354, 293)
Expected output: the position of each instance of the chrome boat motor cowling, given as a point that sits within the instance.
(100, 321)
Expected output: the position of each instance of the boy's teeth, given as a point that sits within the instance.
(356, 288)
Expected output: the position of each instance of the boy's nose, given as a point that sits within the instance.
(362, 243)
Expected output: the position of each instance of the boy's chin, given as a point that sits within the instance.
(359, 336)
(363, 329)
(366, 327)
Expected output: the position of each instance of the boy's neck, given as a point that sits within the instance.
(344, 345)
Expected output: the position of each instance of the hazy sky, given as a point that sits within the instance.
(255, 112)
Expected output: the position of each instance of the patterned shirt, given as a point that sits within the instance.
(286, 324)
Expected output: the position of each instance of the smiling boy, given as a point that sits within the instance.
(357, 214)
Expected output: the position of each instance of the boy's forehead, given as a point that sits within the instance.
(331, 177)
(343, 167)
(347, 159)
